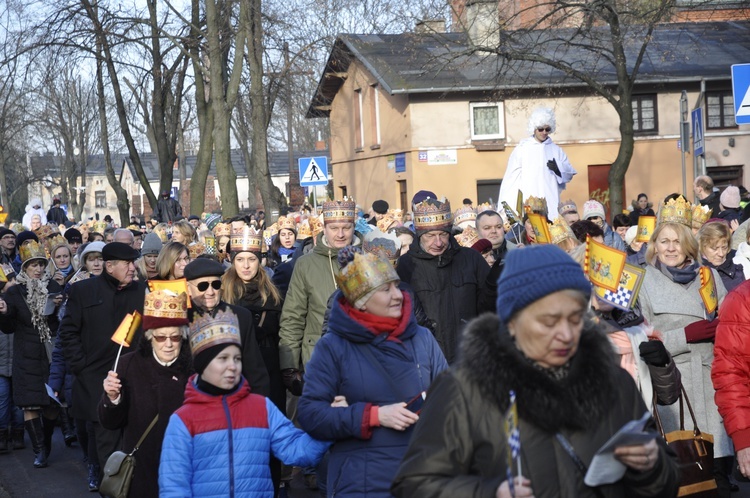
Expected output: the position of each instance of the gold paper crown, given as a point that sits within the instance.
(316, 225)
(567, 207)
(386, 222)
(485, 206)
(53, 242)
(303, 230)
(397, 214)
(161, 231)
(222, 229)
(196, 249)
(431, 214)
(99, 226)
(31, 250)
(676, 211)
(559, 231)
(339, 211)
(363, 273)
(272, 230)
(207, 331)
(537, 205)
(285, 223)
(45, 232)
(468, 237)
(701, 214)
(246, 239)
(463, 215)
(383, 244)
(166, 304)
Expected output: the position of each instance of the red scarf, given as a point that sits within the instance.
(394, 327)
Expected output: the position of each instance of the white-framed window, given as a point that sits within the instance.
(375, 103)
(487, 120)
(100, 197)
(359, 126)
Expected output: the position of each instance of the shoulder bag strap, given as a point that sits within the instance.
(690, 408)
(145, 433)
(582, 468)
(657, 419)
(365, 348)
(262, 319)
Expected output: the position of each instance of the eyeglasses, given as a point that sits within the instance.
(203, 286)
(541, 129)
(173, 338)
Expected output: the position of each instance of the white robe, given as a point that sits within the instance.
(527, 171)
(30, 213)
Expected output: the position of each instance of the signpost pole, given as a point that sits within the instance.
(684, 136)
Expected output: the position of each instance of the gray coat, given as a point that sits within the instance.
(669, 307)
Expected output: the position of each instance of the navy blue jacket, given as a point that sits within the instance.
(364, 459)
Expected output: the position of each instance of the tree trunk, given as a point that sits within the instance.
(624, 155)
(244, 139)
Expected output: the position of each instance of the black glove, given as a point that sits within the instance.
(552, 165)
(654, 353)
(292, 379)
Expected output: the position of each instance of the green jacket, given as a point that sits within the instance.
(313, 282)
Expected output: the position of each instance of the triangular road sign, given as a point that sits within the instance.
(744, 109)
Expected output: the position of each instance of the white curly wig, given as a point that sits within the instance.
(540, 117)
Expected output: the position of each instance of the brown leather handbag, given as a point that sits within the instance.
(695, 453)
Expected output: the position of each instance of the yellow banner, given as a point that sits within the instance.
(541, 228)
(708, 289)
(646, 226)
(604, 264)
(627, 289)
(126, 331)
(177, 286)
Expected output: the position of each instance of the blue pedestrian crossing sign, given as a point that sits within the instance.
(741, 93)
(697, 116)
(313, 171)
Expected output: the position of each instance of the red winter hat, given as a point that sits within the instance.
(482, 246)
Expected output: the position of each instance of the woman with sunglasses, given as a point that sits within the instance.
(537, 167)
(367, 378)
(148, 382)
(172, 260)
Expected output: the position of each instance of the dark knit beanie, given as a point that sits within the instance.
(534, 272)
(380, 206)
(6, 231)
(24, 236)
(202, 359)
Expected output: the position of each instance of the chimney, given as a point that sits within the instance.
(430, 26)
(482, 22)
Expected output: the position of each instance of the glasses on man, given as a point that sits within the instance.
(173, 338)
(542, 128)
(203, 286)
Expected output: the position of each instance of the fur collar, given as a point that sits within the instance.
(490, 360)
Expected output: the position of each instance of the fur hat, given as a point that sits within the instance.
(730, 198)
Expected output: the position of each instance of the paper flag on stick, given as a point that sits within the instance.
(708, 289)
(541, 228)
(603, 264)
(627, 290)
(177, 286)
(126, 331)
(646, 226)
(519, 203)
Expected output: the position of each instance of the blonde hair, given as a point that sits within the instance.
(684, 234)
(233, 288)
(712, 233)
(187, 230)
(168, 256)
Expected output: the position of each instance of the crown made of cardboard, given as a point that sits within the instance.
(99, 226)
(431, 214)
(246, 239)
(485, 206)
(45, 232)
(53, 242)
(701, 214)
(676, 211)
(31, 249)
(303, 230)
(468, 237)
(537, 205)
(567, 206)
(362, 273)
(559, 230)
(285, 223)
(196, 249)
(384, 244)
(166, 304)
(207, 330)
(397, 214)
(386, 222)
(339, 211)
(272, 230)
(316, 225)
(222, 229)
(463, 215)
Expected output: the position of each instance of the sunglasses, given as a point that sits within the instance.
(541, 129)
(163, 338)
(203, 286)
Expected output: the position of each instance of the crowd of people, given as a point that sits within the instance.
(419, 352)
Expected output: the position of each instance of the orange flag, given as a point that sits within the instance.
(177, 286)
(126, 331)
(604, 264)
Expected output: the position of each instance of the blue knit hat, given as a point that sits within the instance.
(534, 272)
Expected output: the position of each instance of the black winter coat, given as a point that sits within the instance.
(459, 447)
(452, 288)
(30, 359)
(94, 310)
(148, 388)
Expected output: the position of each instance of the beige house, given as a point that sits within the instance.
(403, 119)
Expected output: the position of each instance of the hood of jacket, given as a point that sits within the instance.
(491, 360)
(343, 325)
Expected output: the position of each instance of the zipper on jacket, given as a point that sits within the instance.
(231, 445)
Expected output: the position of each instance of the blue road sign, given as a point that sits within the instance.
(698, 136)
(741, 93)
(313, 171)
(401, 163)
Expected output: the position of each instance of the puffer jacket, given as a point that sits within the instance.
(451, 288)
(364, 458)
(313, 282)
(730, 372)
(220, 445)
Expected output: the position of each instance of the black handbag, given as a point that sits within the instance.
(118, 471)
(695, 453)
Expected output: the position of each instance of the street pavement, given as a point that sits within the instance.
(66, 475)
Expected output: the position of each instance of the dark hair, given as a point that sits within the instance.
(641, 195)
(582, 228)
(486, 213)
(673, 196)
(467, 201)
(621, 220)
